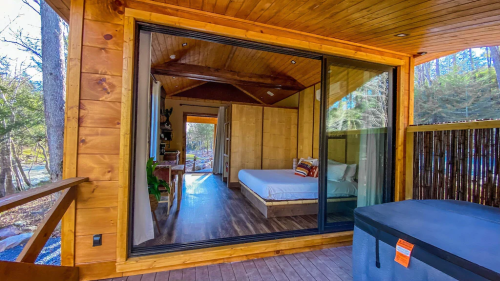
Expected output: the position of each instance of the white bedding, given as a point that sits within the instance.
(285, 185)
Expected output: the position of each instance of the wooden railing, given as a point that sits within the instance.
(458, 161)
(30, 252)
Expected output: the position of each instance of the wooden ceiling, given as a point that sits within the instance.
(432, 25)
(237, 60)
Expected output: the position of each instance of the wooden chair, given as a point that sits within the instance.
(164, 172)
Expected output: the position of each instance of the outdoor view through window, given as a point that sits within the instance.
(459, 87)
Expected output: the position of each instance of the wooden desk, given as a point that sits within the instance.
(178, 170)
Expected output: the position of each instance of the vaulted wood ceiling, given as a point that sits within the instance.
(237, 60)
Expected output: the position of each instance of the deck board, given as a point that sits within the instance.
(326, 264)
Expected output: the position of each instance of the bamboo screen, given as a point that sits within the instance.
(461, 165)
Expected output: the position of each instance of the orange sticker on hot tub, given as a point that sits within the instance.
(403, 252)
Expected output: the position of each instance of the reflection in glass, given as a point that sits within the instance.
(356, 131)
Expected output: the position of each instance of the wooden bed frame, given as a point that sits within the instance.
(281, 208)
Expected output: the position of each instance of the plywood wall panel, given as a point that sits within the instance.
(85, 253)
(96, 221)
(101, 87)
(99, 141)
(98, 167)
(102, 61)
(279, 142)
(99, 114)
(306, 123)
(316, 118)
(246, 139)
(103, 35)
(97, 194)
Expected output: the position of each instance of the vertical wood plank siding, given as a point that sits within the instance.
(457, 164)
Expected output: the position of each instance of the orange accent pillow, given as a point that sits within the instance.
(303, 169)
(313, 172)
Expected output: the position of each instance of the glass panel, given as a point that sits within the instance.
(356, 130)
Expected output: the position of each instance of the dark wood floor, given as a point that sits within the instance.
(210, 210)
(326, 264)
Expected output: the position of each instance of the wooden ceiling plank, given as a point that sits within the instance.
(210, 74)
(287, 10)
(428, 57)
(233, 8)
(248, 93)
(378, 15)
(246, 8)
(454, 14)
(260, 8)
(230, 57)
(408, 16)
(483, 25)
(199, 83)
(209, 5)
(221, 6)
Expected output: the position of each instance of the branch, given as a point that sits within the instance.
(26, 47)
(33, 8)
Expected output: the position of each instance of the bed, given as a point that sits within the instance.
(278, 193)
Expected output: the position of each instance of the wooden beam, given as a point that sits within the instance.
(15, 271)
(36, 243)
(455, 126)
(249, 94)
(201, 119)
(17, 199)
(210, 74)
(230, 57)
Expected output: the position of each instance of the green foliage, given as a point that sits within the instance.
(200, 136)
(153, 181)
(21, 111)
(459, 93)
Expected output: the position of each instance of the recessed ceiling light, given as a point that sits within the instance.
(270, 93)
(401, 35)
(293, 62)
(173, 77)
(422, 53)
(172, 57)
(184, 44)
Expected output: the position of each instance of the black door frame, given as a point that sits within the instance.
(388, 192)
(142, 251)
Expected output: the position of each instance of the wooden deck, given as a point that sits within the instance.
(326, 264)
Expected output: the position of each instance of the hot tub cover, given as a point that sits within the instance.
(447, 234)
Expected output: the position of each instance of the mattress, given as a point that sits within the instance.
(453, 240)
(285, 185)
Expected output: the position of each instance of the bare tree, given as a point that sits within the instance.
(471, 58)
(54, 85)
(495, 56)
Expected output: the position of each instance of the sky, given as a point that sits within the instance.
(15, 15)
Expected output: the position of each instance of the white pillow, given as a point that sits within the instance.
(350, 172)
(315, 162)
(335, 171)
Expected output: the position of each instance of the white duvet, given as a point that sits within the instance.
(285, 185)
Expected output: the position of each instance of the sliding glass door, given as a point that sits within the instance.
(356, 140)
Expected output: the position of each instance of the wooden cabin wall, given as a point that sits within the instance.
(96, 97)
(308, 123)
(246, 139)
(279, 141)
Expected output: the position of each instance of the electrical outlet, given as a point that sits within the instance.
(97, 240)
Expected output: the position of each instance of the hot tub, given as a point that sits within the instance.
(452, 240)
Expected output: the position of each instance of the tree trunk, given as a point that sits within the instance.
(471, 60)
(454, 59)
(44, 153)
(495, 56)
(437, 69)
(54, 93)
(428, 73)
(19, 166)
(6, 185)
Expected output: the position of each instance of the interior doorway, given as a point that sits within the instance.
(200, 132)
